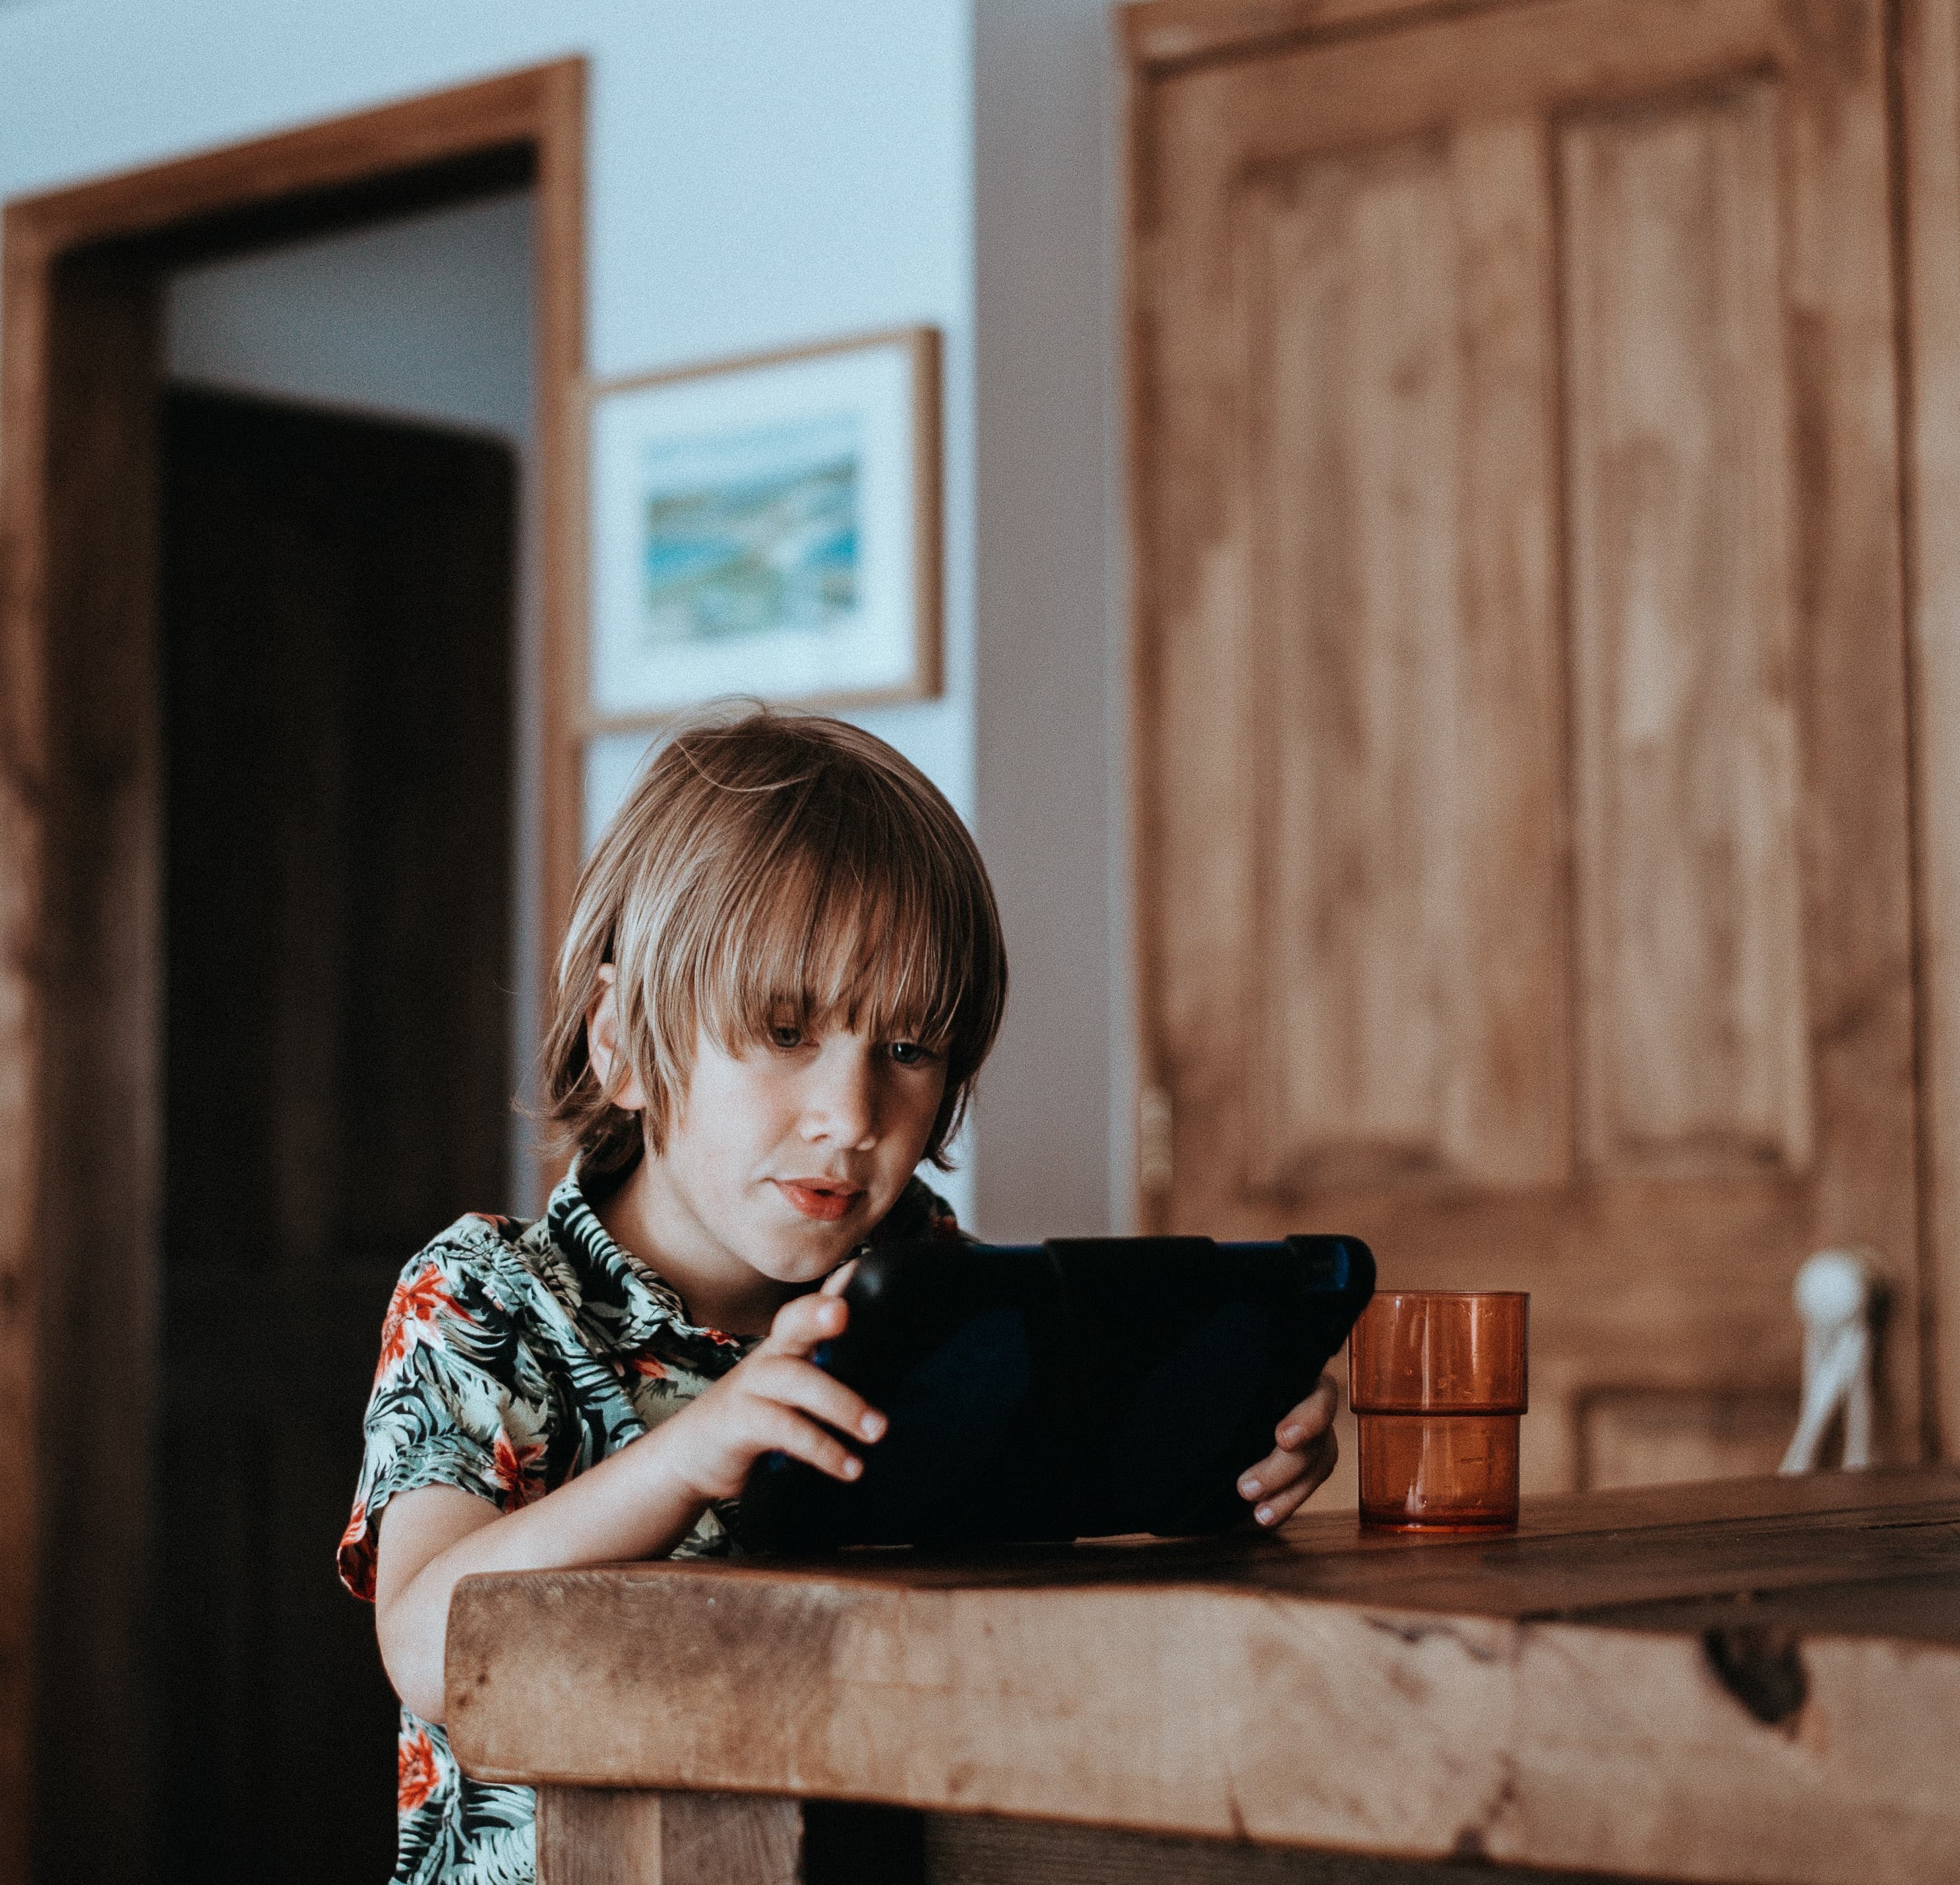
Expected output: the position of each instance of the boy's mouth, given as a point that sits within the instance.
(820, 1198)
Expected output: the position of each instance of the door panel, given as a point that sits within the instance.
(1520, 679)
(336, 609)
(1678, 442)
(1630, 1437)
(1395, 310)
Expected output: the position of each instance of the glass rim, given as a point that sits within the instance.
(1451, 1295)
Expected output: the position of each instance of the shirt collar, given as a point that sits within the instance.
(632, 1303)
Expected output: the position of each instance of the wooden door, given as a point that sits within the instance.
(1521, 689)
(336, 630)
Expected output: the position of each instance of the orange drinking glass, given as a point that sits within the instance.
(1437, 1378)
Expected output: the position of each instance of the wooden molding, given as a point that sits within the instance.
(79, 1018)
(1930, 141)
(559, 341)
(1173, 33)
(24, 688)
(299, 170)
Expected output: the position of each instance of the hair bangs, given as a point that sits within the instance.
(837, 935)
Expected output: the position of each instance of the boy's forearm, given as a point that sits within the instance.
(630, 1506)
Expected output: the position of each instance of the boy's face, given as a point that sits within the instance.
(781, 1158)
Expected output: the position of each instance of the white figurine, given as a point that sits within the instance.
(1835, 1292)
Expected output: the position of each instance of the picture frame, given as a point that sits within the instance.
(767, 526)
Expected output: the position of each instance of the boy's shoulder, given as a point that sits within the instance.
(486, 1260)
(482, 1236)
(485, 1233)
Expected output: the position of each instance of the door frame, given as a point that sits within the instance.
(1161, 38)
(81, 881)
(1927, 226)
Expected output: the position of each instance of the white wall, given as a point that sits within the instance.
(763, 173)
(427, 317)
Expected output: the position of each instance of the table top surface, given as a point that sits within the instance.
(1742, 1679)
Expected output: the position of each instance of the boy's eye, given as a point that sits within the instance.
(783, 1034)
(910, 1053)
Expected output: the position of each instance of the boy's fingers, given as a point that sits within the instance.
(1301, 1435)
(1281, 1506)
(781, 1429)
(802, 1324)
(1283, 1469)
(788, 1382)
(1278, 1470)
(1312, 1417)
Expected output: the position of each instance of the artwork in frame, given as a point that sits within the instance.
(767, 526)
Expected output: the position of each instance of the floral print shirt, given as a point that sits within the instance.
(514, 1356)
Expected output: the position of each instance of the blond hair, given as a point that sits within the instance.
(769, 868)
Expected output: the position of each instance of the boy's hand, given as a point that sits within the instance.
(1304, 1456)
(774, 1399)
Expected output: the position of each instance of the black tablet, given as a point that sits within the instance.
(1076, 1388)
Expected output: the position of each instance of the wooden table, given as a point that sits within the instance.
(1759, 1680)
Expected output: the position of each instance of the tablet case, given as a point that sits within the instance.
(1084, 1387)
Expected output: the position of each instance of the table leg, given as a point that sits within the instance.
(604, 1836)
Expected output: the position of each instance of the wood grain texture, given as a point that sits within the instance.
(78, 1090)
(1459, 1698)
(1405, 983)
(1626, 1021)
(1929, 73)
(1351, 395)
(599, 1836)
(612, 1836)
(1687, 769)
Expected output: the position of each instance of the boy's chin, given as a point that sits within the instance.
(807, 1254)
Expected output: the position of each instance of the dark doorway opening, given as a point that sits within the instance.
(172, 1370)
(335, 616)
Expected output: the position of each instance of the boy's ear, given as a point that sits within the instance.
(617, 1080)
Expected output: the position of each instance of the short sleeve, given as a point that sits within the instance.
(454, 1401)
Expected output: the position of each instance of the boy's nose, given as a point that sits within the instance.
(841, 1107)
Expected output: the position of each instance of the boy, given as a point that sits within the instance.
(783, 971)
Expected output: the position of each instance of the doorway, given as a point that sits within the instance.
(104, 665)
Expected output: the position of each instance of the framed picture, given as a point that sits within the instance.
(767, 526)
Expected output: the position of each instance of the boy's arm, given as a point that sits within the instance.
(626, 1506)
(640, 1503)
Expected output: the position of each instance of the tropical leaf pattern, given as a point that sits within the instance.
(514, 1356)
